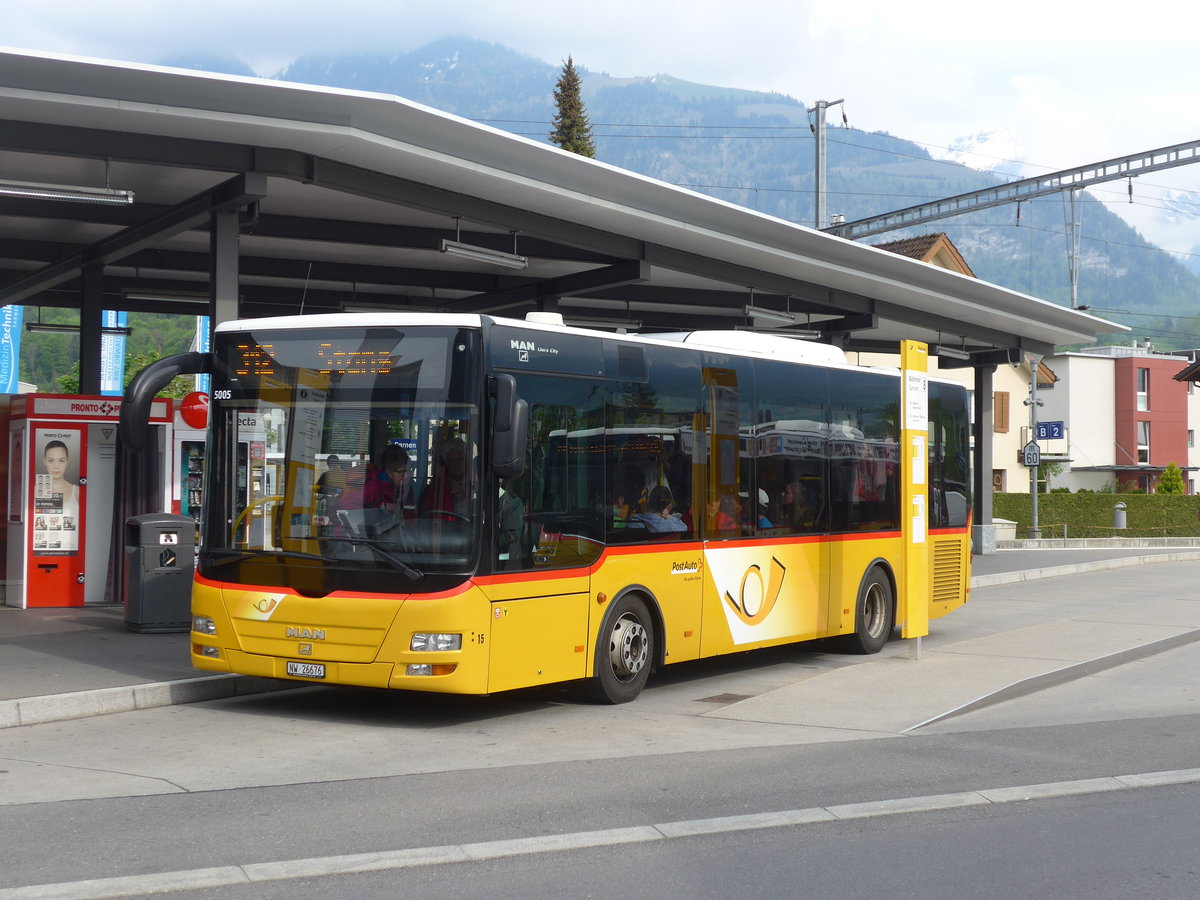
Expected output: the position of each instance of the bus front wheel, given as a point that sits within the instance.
(624, 652)
(873, 614)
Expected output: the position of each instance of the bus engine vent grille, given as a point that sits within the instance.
(947, 571)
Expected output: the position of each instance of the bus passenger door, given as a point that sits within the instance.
(542, 563)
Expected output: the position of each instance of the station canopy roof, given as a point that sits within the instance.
(346, 198)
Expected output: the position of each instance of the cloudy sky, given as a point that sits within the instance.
(1059, 83)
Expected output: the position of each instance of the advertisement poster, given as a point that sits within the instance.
(10, 348)
(57, 492)
(112, 352)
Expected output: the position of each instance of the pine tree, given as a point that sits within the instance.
(1171, 481)
(572, 130)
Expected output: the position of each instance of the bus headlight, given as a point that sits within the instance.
(427, 669)
(434, 641)
(203, 625)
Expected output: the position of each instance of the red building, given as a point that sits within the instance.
(1151, 418)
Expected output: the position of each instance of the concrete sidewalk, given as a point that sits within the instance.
(58, 664)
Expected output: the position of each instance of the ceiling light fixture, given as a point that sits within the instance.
(803, 334)
(484, 255)
(950, 352)
(166, 296)
(771, 315)
(66, 328)
(37, 191)
(475, 253)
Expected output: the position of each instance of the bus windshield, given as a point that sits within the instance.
(344, 460)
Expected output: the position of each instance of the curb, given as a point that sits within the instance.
(1097, 565)
(83, 704)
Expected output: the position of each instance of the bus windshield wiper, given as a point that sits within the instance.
(413, 574)
(236, 556)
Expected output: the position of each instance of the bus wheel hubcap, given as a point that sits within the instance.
(873, 609)
(628, 648)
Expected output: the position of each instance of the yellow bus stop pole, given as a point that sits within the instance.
(913, 603)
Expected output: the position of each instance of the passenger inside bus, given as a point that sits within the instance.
(754, 515)
(660, 515)
(333, 479)
(722, 516)
(620, 511)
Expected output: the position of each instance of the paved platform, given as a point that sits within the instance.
(58, 664)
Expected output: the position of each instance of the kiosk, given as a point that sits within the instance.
(62, 453)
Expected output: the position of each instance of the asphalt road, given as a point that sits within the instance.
(563, 799)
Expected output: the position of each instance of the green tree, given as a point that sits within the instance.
(1171, 481)
(180, 386)
(1046, 471)
(572, 130)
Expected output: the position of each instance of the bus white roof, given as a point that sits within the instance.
(757, 344)
(342, 320)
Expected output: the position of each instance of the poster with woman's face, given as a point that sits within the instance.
(57, 493)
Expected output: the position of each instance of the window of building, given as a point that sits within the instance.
(1191, 438)
(1143, 390)
(1143, 443)
(1000, 412)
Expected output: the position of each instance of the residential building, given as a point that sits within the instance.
(1126, 416)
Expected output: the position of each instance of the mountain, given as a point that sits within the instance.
(756, 149)
(227, 65)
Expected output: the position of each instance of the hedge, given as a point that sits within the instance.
(1091, 515)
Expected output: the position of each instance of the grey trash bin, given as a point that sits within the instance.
(1119, 516)
(160, 553)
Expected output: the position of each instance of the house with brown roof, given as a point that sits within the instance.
(1009, 428)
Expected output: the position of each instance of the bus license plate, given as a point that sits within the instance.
(306, 670)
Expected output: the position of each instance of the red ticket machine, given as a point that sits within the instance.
(62, 454)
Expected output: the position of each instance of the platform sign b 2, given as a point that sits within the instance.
(1050, 431)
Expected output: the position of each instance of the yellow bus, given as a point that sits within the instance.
(473, 504)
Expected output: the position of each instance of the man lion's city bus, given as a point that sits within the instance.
(472, 504)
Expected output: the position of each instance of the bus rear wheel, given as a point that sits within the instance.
(873, 614)
(624, 652)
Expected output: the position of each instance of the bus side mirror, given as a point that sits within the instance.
(510, 429)
(135, 405)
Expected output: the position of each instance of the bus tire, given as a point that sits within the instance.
(874, 614)
(624, 652)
